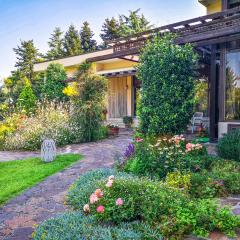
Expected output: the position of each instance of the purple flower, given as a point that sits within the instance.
(129, 151)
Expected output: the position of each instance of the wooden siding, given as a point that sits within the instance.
(117, 97)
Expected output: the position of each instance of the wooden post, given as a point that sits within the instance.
(213, 98)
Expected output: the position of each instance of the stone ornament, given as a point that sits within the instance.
(48, 150)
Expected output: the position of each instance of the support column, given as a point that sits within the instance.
(129, 96)
(213, 97)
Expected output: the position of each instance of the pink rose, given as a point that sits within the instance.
(100, 209)
(99, 193)
(93, 198)
(119, 202)
(109, 184)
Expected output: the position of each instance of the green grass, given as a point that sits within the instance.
(17, 176)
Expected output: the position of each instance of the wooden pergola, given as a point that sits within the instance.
(201, 31)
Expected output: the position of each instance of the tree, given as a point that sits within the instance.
(55, 45)
(124, 26)
(27, 100)
(110, 30)
(53, 83)
(134, 23)
(87, 41)
(167, 72)
(27, 55)
(72, 42)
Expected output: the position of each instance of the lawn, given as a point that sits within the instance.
(17, 176)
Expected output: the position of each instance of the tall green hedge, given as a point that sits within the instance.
(167, 73)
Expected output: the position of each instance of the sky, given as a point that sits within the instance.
(36, 19)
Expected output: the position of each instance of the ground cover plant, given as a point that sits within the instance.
(17, 176)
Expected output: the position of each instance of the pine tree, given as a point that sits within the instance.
(87, 41)
(72, 42)
(27, 100)
(110, 30)
(134, 23)
(27, 55)
(55, 45)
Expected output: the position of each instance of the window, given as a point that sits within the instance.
(233, 3)
(232, 97)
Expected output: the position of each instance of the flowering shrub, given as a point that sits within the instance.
(159, 156)
(50, 121)
(164, 209)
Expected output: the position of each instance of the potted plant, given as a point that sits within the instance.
(113, 129)
(128, 121)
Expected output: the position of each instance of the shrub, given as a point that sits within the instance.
(229, 146)
(128, 120)
(50, 121)
(79, 193)
(77, 226)
(88, 102)
(167, 73)
(121, 199)
(222, 179)
(179, 180)
(158, 156)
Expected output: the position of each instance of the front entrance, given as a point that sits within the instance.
(117, 97)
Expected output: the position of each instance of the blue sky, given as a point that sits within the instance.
(36, 19)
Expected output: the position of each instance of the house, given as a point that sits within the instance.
(216, 36)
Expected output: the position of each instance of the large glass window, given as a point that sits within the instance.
(233, 3)
(232, 98)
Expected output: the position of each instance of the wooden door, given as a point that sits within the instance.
(117, 97)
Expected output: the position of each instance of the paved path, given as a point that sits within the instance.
(46, 199)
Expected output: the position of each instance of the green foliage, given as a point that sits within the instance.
(49, 121)
(221, 179)
(26, 102)
(88, 104)
(179, 180)
(72, 42)
(110, 29)
(27, 55)
(87, 41)
(127, 120)
(77, 226)
(229, 146)
(78, 194)
(167, 73)
(125, 25)
(54, 83)
(164, 209)
(55, 45)
(17, 176)
(133, 23)
(155, 157)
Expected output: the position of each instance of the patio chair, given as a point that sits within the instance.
(196, 120)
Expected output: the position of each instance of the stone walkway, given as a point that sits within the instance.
(45, 200)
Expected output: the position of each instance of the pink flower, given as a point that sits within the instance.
(93, 198)
(109, 183)
(100, 209)
(138, 140)
(98, 193)
(119, 202)
(111, 178)
(86, 208)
